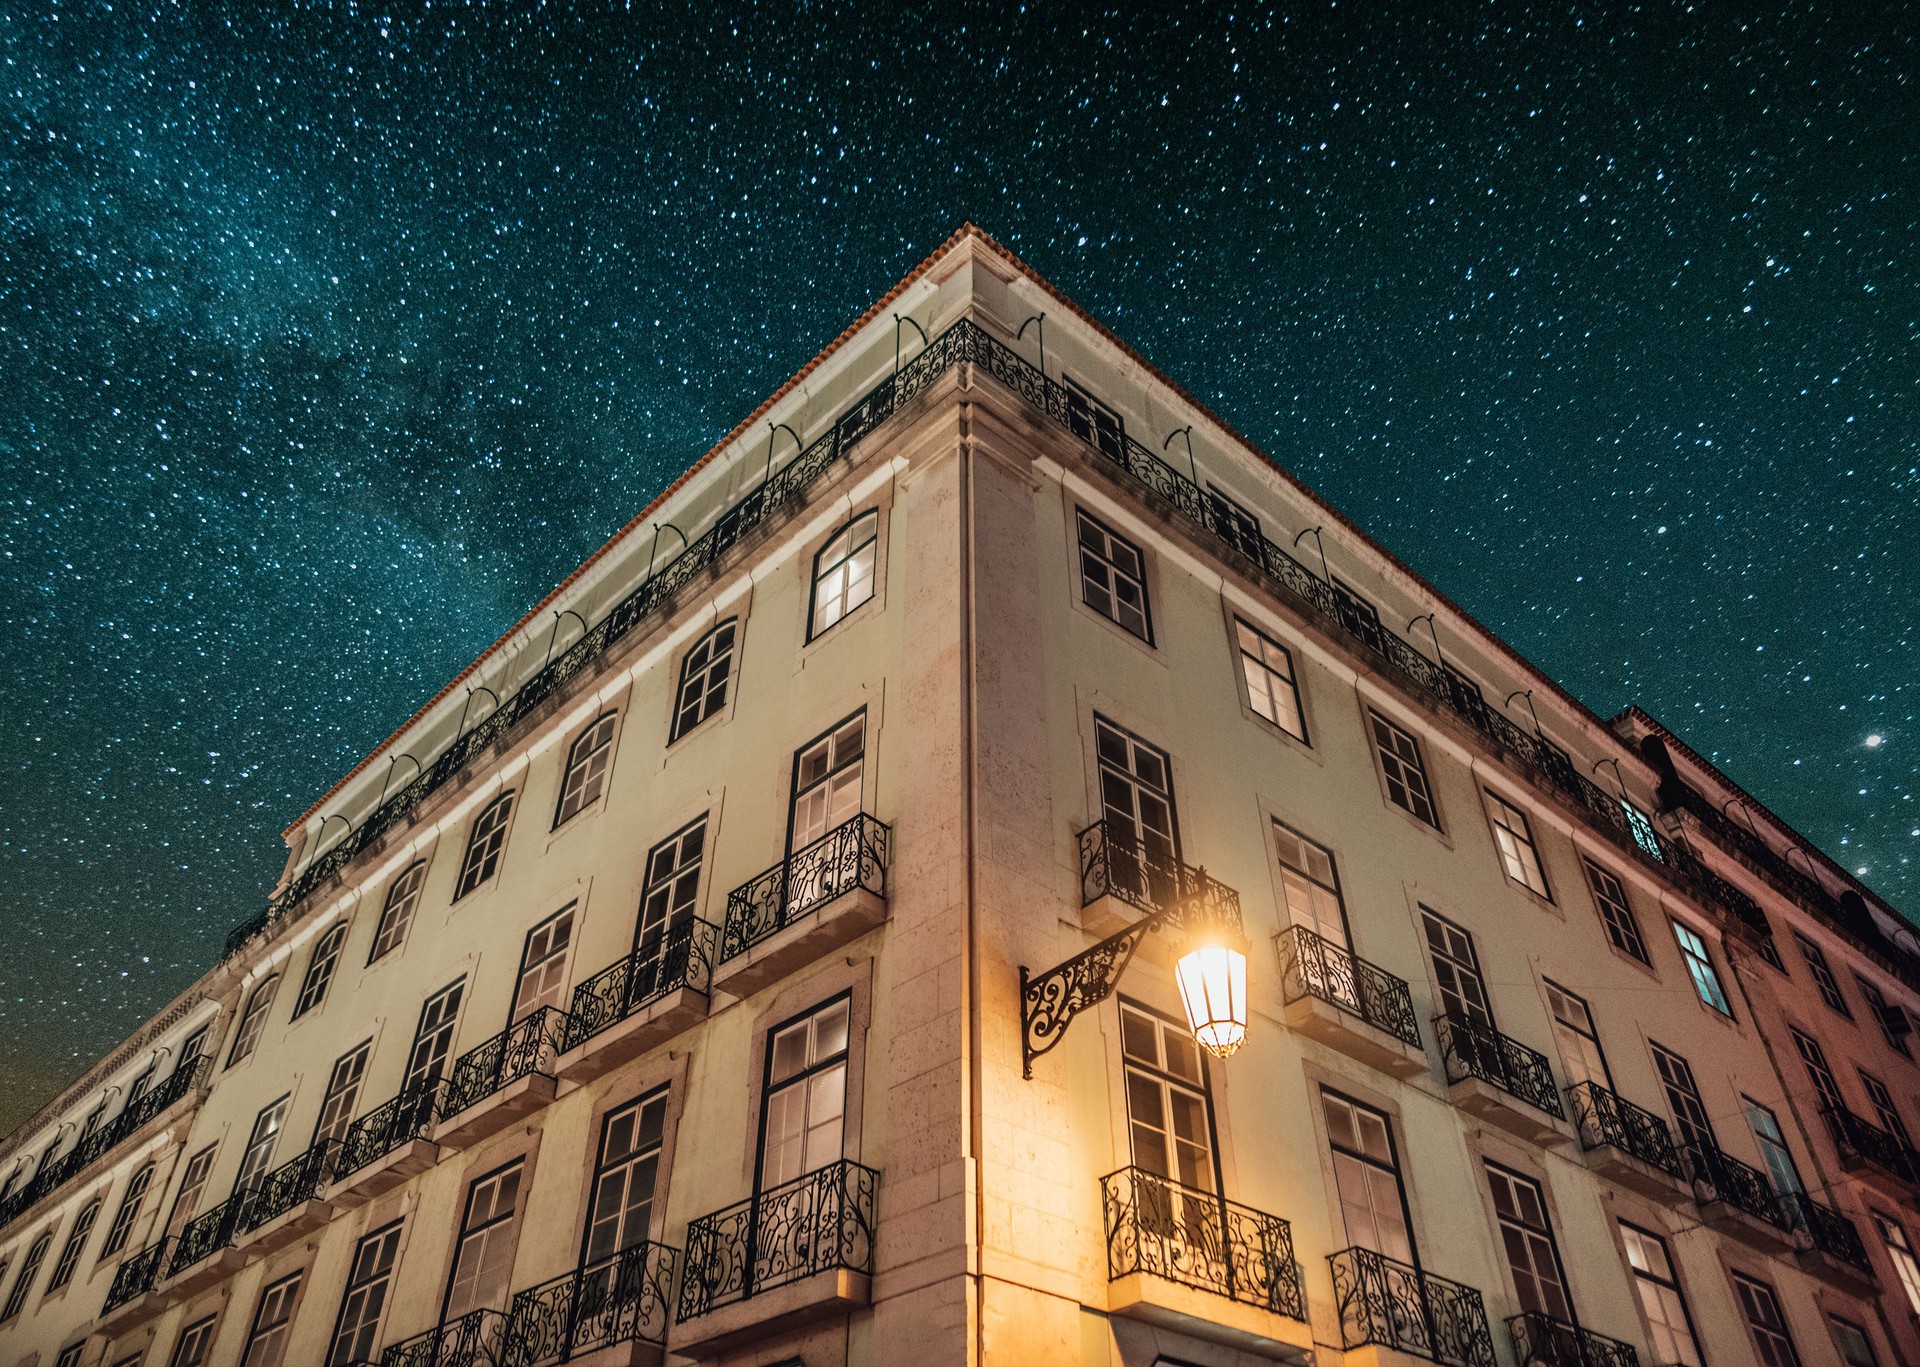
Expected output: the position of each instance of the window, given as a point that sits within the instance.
(483, 1256)
(1769, 953)
(625, 1170)
(704, 675)
(804, 1103)
(267, 1340)
(1637, 822)
(1765, 1322)
(1616, 912)
(142, 1082)
(1366, 1175)
(827, 776)
(1900, 1253)
(253, 1020)
(69, 1259)
(1518, 855)
(29, 1269)
(1850, 1339)
(1355, 611)
(1311, 886)
(397, 915)
(843, 572)
(1662, 1306)
(193, 1182)
(672, 890)
(1683, 1099)
(1706, 982)
(368, 1281)
(194, 1344)
(258, 1155)
(1825, 1085)
(92, 1123)
(1823, 978)
(1113, 577)
(1093, 422)
(326, 957)
(194, 1047)
(1235, 525)
(1169, 1116)
(13, 1179)
(70, 1355)
(1781, 1169)
(433, 1037)
(1883, 1108)
(1136, 803)
(1578, 1038)
(122, 1227)
(1895, 1027)
(1272, 689)
(1405, 773)
(1456, 970)
(1526, 1235)
(484, 845)
(343, 1092)
(586, 772)
(543, 964)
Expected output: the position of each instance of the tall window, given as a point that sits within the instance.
(484, 844)
(1168, 1114)
(29, 1269)
(267, 1339)
(1578, 1038)
(543, 964)
(193, 1183)
(196, 1342)
(626, 1169)
(1366, 1174)
(1113, 577)
(1765, 1322)
(843, 572)
(253, 1020)
(1311, 886)
(122, 1227)
(483, 1256)
(1526, 1234)
(326, 957)
(343, 1092)
(827, 777)
(1683, 1099)
(1883, 1108)
(1781, 1169)
(1852, 1343)
(1403, 769)
(1662, 1306)
(585, 777)
(368, 1281)
(1456, 971)
(1823, 979)
(803, 1111)
(1900, 1253)
(1706, 981)
(704, 675)
(1518, 854)
(1895, 1028)
(1825, 1085)
(258, 1155)
(397, 914)
(1272, 689)
(1136, 801)
(70, 1355)
(1616, 912)
(672, 890)
(433, 1036)
(69, 1259)
(193, 1048)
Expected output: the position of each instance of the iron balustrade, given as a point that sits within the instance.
(1383, 1302)
(1719, 1176)
(851, 855)
(1313, 966)
(526, 1048)
(208, 1232)
(477, 1339)
(1861, 1141)
(816, 1223)
(1479, 1051)
(386, 1127)
(138, 1273)
(1542, 1340)
(290, 1185)
(1825, 1230)
(622, 1299)
(684, 958)
(1164, 1228)
(1605, 1119)
(1116, 863)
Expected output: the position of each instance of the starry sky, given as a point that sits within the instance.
(333, 335)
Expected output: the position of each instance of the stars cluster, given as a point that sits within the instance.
(335, 334)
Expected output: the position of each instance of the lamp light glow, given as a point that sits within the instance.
(1212, 977)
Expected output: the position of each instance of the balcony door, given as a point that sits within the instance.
(258, 1155)
(828, 774)
(1136, 802)
(483, 1254)
(1690, 1118)
(1526, 1238)
(1366, 1174)
(543, 965)
(671, 893)
(620, 1213)
(1311, 885)
(1782, 1171)
(804, 1095)
(1462, 990)
(1578, 1038)
(433, 1037)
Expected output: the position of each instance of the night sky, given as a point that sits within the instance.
(330, 342)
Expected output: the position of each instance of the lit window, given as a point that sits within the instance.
(1662, 1306)
(1823, 979)
(253, 1020)
(827, 780)
(1518, 854)
(397, 915)
(1900, 1253)
(483, 1255)
(267, 1340)
(1405, 772)
(586, 773)
(803, 1108)
(367, 1284)
(69, 1259)
(1766, 1323)
(705, 674)
(1311, 886)
(326, 957)
(1706, 981)
(843, 572)
(1616, 912)
(1113, 577)
(1272, 690)
(484, 845)
(122, 1227)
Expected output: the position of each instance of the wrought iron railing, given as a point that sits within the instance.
(684, 958)
(138, 1273)
(290, 1185)
(477, 1339)
(1719, 1176)
(622, 1299)
(851, 855)
(816, 1223)
(386, 1127)
(1604, 1118)
(1313, 966)
(524, 1049)
(1385, 1303)
(1542, 1340)
(1825, 1230)
(207, 1233)
(1479, 1051)
(1861, 1141)
(1166, 1229)
(1117, 863)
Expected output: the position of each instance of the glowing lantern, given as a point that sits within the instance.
(1212, 976)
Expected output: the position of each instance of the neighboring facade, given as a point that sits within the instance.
(656, 992)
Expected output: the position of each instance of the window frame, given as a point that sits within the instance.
(1900, 1253)
(570, 913)
(321, 967)
(257, 1331)
(1824, 981)
(598, 748)
(1168, 1080)
(335, 1088)
(1496, 1171)
(78, 1234)
(1837, 1323)
(1394, 768)
(1748, 1291)
(1397, 1170)
(1671, 1282)
(253, 1019)
(1591, 1033)
(192, 1184)
(465, 1230)
(355, 1284)
(402, 903)
(1883, 1012)
(450, 1025)
(1617, 917)
(1274, 678)
(1698, 957)
(661, 1096)
(204, 1326)
(120, 1228)
(1115, 573)
(486, 849)
(30, 1264)
(849, 530)
(794, 791)
(768, 1088)
(705, 707)
(1500, 813)
(668, 881)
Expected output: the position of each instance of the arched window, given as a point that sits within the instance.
(586, 775)
(76, 1244)
(704, 677)
(484, 845)
(29, 1269)
(397, 915)
(122, 1227)
(843, 572)
(253, 1020)
(326, 957)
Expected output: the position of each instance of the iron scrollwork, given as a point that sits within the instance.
(523, 1049)
(1167, 1229)
(1390, 1304)
(1313, 966)
(818, 1222)
(476, 1339)
(851, 855)
(386, 1127)
(683, 957)
(621, 1299)
(1605, 1119)
(1541, 1340)
(1479, 1051)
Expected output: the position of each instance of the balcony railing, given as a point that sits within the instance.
(1861, 1141)
(1719, 1176)
(1541, 1340)
(1386, 1303)
(1604, 1118)
(684, 959)
(207, 1233)
(138, 1273)
(1115, 863)
(290, 1185)
(477, 1339)
(1825, 1230)
(1313, 966)
(1165, 1229)
(1479, 1051)
(387, 1127)
(525, 1048)
(851, 855)
(622, 1299)
(816, 1223)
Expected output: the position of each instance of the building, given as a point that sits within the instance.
(772, 950)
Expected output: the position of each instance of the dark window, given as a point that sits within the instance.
(484, 845)
(1852, 1343)
(194, 1047)
(69, 1259)
(195, 1342)
(253, 1020)
(1366, 1174)
(1662, 1305)
(543, 964)
(804, 1095)
(828, 777)
(267, 1340)
(1136, 802)
(1616, 912)
(625, 1171)
(843, 573)
(397, 915)
(1519, 856)
(1823, 978)
(1526, 1236)
(1355, 612)
(1769, 953)
(1683, 1099)
(92, 1122)
(1825, 1085)
(326, 957)
(1781, 1169)
(1456, 971)
(433, 1036)
(70, 1355)
(1765, 1322)
(29, 1269)
(1235, 525)
(122, 1227)
(1895, 1027)
(483, 1255)
(1272, 690)
(142, 1082)
(368, 1282)
(343, 1092)
(705, 674)
(585, 777)
(1113, 577)
(1403, 769)
(1093, 422)
(1883, 1108)
(1706, 981)
(672, 891)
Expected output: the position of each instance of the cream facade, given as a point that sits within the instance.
(751, 958)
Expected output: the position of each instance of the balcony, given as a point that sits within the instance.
(616, 1309)
(797, 1253)
(819, 898)
(204, 1252)
(477, 1339)
(1870, 1154)
(641, 1001)
(1541, 1340)
(1502, 1081)
(1626, 1143)
(1830, 1245)
(496, 1083)
(1175, 1254)
(133, 1299)
(1122, 880)
(1387, 1304)
(1348, 1004)
(384, 1147)
(1738, 1199)
(287, 1202)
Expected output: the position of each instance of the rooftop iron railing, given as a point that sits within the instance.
(683, 958)
(1385, 1303)
(1167, 1229)
(815, 1223)
(851, 855)
(1472, 1050)
(1604, 1118)
(1313, 966)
